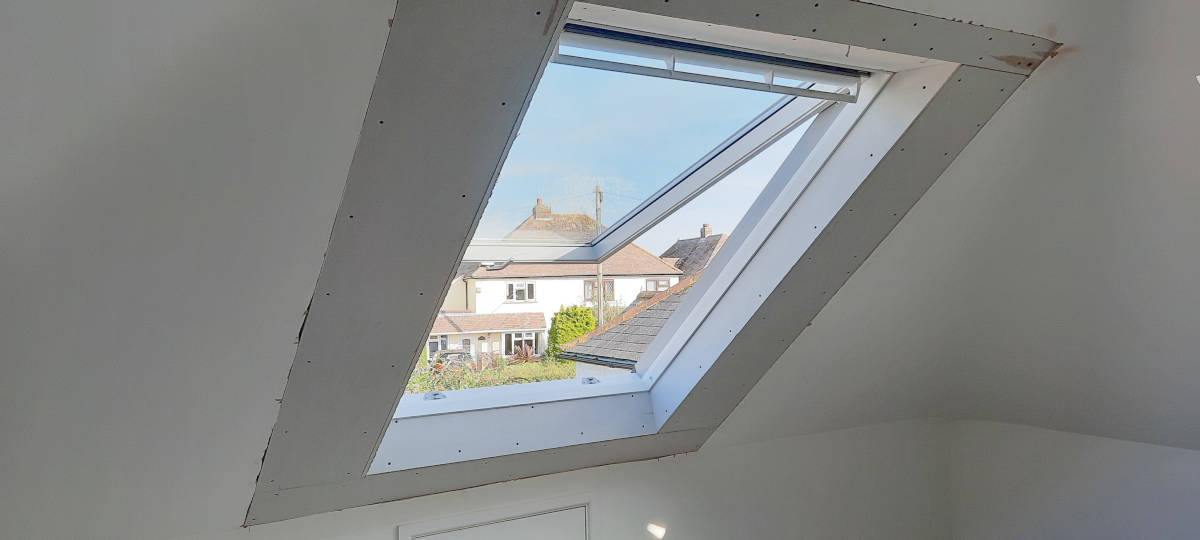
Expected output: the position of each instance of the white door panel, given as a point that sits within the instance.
(567, 524)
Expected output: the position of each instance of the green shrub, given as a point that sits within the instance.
(569, 323)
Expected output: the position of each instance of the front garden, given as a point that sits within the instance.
(438, 377)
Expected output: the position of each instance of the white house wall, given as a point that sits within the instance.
(550, 294)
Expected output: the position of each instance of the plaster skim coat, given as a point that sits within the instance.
(170, 174)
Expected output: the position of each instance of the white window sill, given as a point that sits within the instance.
(494, 397)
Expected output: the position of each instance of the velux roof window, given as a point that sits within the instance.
(599, 143)
(690, 180)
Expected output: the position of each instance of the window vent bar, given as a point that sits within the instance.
(614, 50)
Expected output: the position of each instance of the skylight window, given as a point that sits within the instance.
(647, 173)
(637, 166)
(870, 147)
(595, 149)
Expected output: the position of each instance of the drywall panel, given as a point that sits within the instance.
(1011, 481)
(837, 225)
(442, 114)
(169, 173)
(867, 25)
(877, 482)
(1047, 278)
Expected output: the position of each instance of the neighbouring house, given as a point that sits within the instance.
(617, 346)
(458, 298)
(546, 287)
(541, 289)
(543, 225)
(692, 255)
(492, 333)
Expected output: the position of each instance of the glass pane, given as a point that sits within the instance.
(592, 147)
(500, 343)
(719, 71)
(610, 56)
(689, 239)
(595, 144)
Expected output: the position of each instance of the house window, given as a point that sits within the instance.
(515, 340)
(435, 344)
(520, 291)
(589, 290)
(655, 284)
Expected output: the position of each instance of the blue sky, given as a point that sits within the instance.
(630, 135)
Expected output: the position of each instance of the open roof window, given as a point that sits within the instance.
(622, 121)
(660, 169)
(419, 184)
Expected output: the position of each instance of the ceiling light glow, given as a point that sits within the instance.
(658, 531)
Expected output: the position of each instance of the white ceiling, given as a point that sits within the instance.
(169, 173)
(1050, 276)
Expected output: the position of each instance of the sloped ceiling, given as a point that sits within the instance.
(169, 173)
(1049, 276)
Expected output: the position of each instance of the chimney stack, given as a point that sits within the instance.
(705, 231)
(541, 210)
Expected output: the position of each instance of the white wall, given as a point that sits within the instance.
(927, 479)
(551, 294)
(171, 171)
(170, 174)
(1011, 481)
(886, 482)
(1049, 276)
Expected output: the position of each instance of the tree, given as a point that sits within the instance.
(569, 323)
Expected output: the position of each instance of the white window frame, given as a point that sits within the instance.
(827, 132)
(511, 288)
(657, 284)
(346, 378)
(510, 338)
